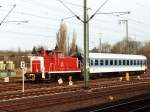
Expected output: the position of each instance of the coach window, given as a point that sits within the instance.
(124, 62)
(96, 62)
(141, 62)
(115, 62)
(131, 62)
(111, 62)
(101, 62)
(119, 62)
(127, 62)
(106, 62)
(134, 62)
(138, 63)
(91, 63)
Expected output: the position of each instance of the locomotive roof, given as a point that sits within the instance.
(115, 56)
(54, 51)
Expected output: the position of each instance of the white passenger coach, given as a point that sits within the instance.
(108, 62)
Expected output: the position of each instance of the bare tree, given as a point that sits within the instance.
(94, 50)
(62, 38)
(146, 51)
(127, 45)
(34, 51)
(120, 47)
(73, 50)
(134, 46)
(106, 47)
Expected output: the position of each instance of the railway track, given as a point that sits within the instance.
(37, 90)
(12, 87)
(61, 89)
(67, 97)
(135, 105)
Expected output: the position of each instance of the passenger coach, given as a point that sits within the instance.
(107, 63)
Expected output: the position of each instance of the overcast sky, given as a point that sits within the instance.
(44, 17)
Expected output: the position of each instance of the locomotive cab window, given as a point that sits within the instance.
(49, 53)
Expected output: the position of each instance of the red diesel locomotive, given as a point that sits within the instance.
(47, 64)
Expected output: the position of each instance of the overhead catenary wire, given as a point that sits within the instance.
(139, 22)
(141, 5)
(8, 14)
(115, 13)
(67, 18)
(43, 6)
(98, 10)
(28, 34)
(70, 10)
(73, 4)
(59, 20)
(15, 21)
(65, 2)
(44, 17)
(78, 16)
(47, 7)
(55, 29)
(33, 15)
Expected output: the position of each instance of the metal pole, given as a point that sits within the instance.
(100, 45)
(127, 36)
(126, 22)
(22, 79)
(85, 45)
(68, 45)
(87, 52)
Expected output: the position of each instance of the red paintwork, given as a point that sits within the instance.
(54, 62)
(36, 66)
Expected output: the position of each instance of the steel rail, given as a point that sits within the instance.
(123, 104)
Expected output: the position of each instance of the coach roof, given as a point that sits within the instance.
(115, 56)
